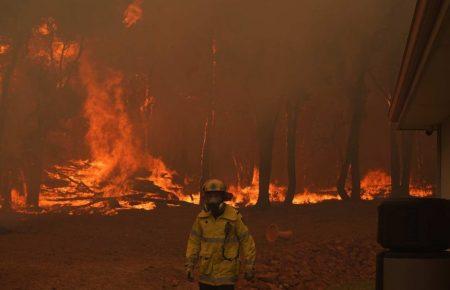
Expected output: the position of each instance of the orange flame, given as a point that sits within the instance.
(18, 200)
(110, 134)
(248, 195)
(51, 51)
(133, 13)
(4, 48)
(115, 153)
(376, 183)
(307, 197)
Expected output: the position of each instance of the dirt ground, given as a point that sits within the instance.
(333, 247)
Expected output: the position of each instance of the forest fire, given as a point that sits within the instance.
(76, 189)
(119, 169)
(263, 137)
(119, 176)
(133, 13)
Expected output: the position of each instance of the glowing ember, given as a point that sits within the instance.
(133, 13)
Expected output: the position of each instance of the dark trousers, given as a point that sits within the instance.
(210, 287)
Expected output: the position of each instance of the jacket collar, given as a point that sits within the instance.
(229, 213)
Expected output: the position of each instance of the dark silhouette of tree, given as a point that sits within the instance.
(266, 124)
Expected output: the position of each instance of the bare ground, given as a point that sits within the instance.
(333, 247)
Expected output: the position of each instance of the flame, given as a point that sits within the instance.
(18, 200)
(163, 177)
(147, 105)
(107, 182)
(51, 51)
(65, 50)
(110, 134)
(421, 192)
(133, 13)
(4, 48)
(376, 183)
(47, 26)
(308, 197)
(248, 195)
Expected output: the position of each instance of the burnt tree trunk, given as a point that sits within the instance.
(407, 143)
(5, 102)
(351, 159)
(34, 153)
(33, 174)
(244, 168)
(266, 129)
(206, 157)
(291, 142)
(395, 164)
(356, 176)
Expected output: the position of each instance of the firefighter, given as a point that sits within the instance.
(219, 238)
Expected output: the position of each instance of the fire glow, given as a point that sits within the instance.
(133, 13)
(117, 175)
(4, 48)
(77, 190)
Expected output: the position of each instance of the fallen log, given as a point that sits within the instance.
(80, 184)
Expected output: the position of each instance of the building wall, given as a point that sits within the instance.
(445, 159)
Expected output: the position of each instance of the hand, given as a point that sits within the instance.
(249, 275)
(190, 275)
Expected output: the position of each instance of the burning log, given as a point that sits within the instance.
(81, 186)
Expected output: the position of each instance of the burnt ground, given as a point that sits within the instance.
(333, 247)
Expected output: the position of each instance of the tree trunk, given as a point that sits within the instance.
(4, 107)
(206, 153)
(291, 142)
(356, 177)
(244, 168)
(266, 129)
(33, 156)
(351, 160)
(407, 142)
(395, 165)
(34, 179)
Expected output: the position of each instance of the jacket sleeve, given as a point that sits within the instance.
(193, 245)
(247, 244)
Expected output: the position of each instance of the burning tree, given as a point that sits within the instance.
(100, 100)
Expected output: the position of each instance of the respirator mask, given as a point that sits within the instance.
(214, 203)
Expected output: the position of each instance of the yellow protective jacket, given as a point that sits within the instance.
(217, 245)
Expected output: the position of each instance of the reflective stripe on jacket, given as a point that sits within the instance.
(216, 244)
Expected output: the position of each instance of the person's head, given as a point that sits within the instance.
(215, 194)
